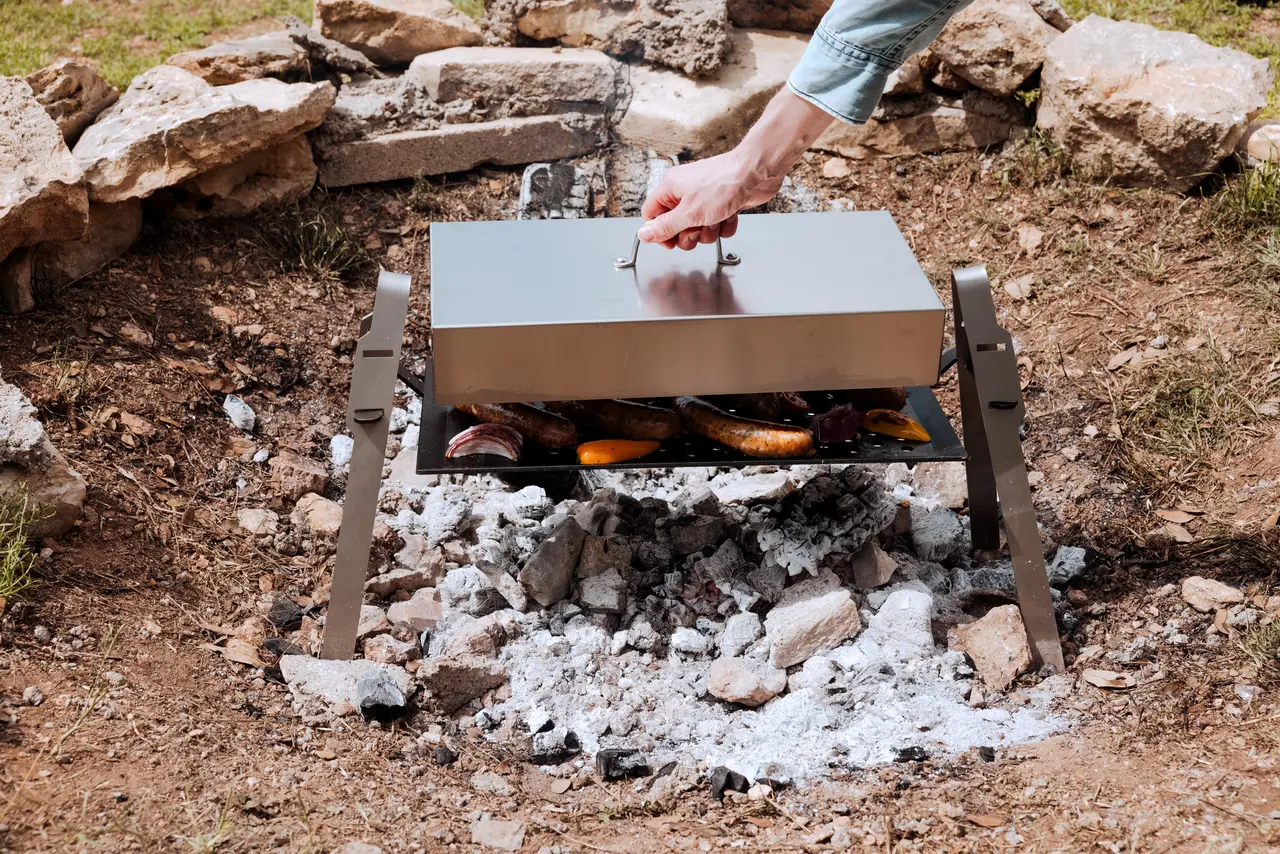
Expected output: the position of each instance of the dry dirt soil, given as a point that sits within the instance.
(179, 749)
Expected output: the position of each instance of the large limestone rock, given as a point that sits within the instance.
(690, 36)
(801, 16)
(1149, 108)
(325, 54)
(73, 94)
(31, 467)
(930, 123)
(393, 32)
(995, 44)
(41, 195)
(271, 176)
(112, 230)
(669, 112)
(527, 81)
(269, 55)
(171, 125)
(457, 148)
(746, 681)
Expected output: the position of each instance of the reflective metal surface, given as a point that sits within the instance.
(535, 310)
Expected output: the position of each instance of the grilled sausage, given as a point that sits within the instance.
(753, 438)
(537, 425)
(623, 418)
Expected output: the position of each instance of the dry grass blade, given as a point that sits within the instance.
(1249, 201)
(313, 240)
(1180, 414)
(17, 558)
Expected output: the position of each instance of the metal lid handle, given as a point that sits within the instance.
(730, 260)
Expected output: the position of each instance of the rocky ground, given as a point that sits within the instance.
(132, 720)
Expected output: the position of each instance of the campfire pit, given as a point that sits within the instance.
(880, 318)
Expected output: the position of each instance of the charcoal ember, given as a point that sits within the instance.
(602, 514)
(285, 614)
(621, 763)
(378, 697)
(642, 635)
(469, 590)
(696, 534)
(650, 512)
(652, 555)
(445, 755)
(723, 780)
(701, 502)
(602, 554)
(910, 754)
(282, 646)
(987, 754)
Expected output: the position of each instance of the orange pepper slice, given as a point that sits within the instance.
(609, 451)
(886, 422)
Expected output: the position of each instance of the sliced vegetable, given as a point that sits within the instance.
(867, 399)
(496, 439)
(886, 422)
(793, 402)
(837, 425)
(609, 451)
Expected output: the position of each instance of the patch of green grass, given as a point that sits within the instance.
(474, 8)
(1225, 23)
(16, 555)
(311, 239)
(1249, 201)
(122, 38)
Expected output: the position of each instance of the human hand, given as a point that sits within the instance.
(699, 202)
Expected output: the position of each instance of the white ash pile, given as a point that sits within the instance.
(782, 623)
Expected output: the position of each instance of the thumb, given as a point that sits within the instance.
(666, 226)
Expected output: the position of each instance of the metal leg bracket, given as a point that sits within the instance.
(373, 384)
(992, 411)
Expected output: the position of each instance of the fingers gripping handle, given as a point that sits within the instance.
(623, 263)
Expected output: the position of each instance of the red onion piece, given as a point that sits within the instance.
(838, 425)
(794, 402)
(496, 439)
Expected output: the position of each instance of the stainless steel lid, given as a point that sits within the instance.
(537, 310)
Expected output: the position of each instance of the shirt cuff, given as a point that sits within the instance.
(840, 79)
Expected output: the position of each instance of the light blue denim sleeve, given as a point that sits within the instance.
(858, 45)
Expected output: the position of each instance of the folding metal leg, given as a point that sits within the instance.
(373, 384)
(992, 411)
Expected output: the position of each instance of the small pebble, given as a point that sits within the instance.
(33, 696)
(445, 755)
(43, 635)
(115, 680)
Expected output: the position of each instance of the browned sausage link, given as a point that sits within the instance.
(622, 418)
(545, 428)
(753, 438)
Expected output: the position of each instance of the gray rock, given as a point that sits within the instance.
(31, 466)
(602, 554)
(396, 580)
(605, 593)
(41, 196)
(506, 585)
(170, 126)
(1144, 107)
(393, 32)
(927, 123)
(740, 631)
(621, 763)
(945, 482)
(386, 649)
(327, 53)
(689, 641)
(471, 591)
(995, 44)
(997, 577)
(547, 575)
(554, 746)
(454, 681)
(448, 516)
(902, 629)
(815, 618)
(262, 179)
(1067, 565)
(1207, 595)
(938, 535)
(33, 696)
(502, 835)
(746, 681)
(359, 685)
(641, 634)
(422, 611)
(273, 54)
(73, 94)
